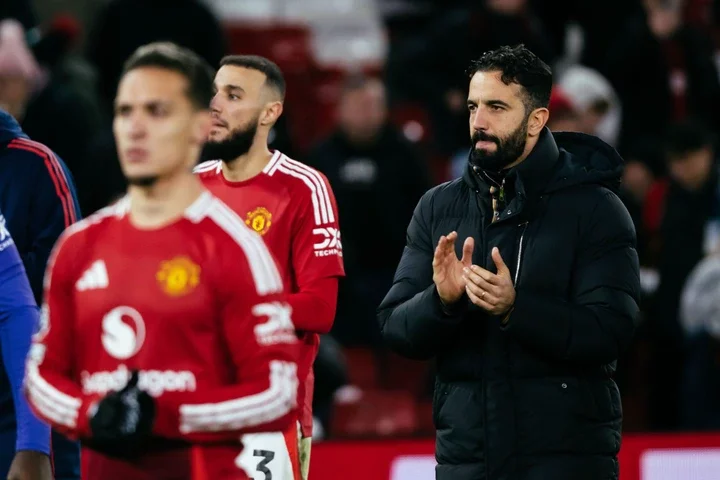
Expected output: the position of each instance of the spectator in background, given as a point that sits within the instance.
(563, 115)
(121, 26)
(37, 197)
(426, 68)
(378, 177)
(595, 18)
(680, 216)
(700, 315)
(664, 72)
(20, 74)
(595, 101)
(50, 111)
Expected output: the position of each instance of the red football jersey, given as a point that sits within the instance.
(215, 346)
(293, 207)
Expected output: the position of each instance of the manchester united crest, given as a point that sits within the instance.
(178, 276)
(259, 220)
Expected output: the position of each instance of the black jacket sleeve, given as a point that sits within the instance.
(598, 320)
(412, 319)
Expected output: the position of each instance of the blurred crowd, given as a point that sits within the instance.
(377, 101)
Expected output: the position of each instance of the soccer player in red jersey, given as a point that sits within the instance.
(293, 207)
(166, 334)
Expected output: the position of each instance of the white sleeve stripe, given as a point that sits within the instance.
(324, 194)
(255, 243)
(311, 186)
(62, 399)
(270, 167)
(53, 413)
(267, 413)
(207, 166)
(50, 401)
(262, 265)
(279, 370)
(273, 403)
(316, 187)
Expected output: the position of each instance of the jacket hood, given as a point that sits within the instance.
(9, 128)
(585, 159)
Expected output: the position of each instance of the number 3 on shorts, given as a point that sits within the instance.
(269, 456)
(266, 457)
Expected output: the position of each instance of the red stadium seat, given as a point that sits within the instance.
(400, 373)
(424, 418)
(287, 45)
(362, 367)
(375, 413)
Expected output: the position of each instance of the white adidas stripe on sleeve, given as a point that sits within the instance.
(271, 404)
(324, 195)
(322, 206)
(55, 405)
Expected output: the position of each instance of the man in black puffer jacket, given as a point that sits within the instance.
(526, 327)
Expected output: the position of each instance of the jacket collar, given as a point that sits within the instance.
(531, 176)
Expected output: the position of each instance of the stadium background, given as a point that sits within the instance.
(376, 100)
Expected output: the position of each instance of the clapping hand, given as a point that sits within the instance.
(493, 292)
(448, 269)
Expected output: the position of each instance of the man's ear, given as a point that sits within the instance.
(537, 120)
(271, 113)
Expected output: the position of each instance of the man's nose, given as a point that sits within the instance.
(214, 104)
(479, 122)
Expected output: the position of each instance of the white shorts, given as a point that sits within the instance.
(275, 456)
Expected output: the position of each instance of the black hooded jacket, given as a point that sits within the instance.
(532, 398)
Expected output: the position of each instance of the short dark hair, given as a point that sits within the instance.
(686, 137)
(273, 75)
(519, 65)
(170, 56)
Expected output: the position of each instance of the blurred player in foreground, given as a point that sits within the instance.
(170, 283)
(27, 458)
(293, 207)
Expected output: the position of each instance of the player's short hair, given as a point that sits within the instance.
(519, 65)
(170, 56)
(273, 75)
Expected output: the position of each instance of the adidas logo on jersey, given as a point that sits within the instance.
(94, 278)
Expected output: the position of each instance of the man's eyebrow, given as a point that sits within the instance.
(499, 103)
(233, 87)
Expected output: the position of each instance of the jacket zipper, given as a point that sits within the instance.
(519, 256)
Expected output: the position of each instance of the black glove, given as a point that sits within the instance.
(122, 423)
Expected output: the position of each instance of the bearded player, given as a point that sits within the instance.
(293, 207)
(152, 352)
